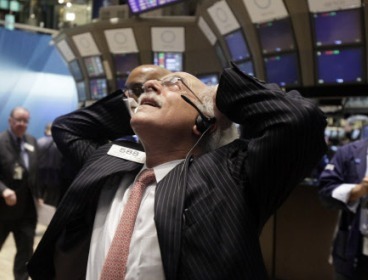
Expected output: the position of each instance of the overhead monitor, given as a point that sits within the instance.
(209, 79)
(246, 67)
(276, 36)
(237, 45)
(282, 69)
(98, 88)
(75, 70)
(81, 90)
(94, 66)
(340, 66)
(125, 62)
(337, 28)
(141, 6)
(172, 61)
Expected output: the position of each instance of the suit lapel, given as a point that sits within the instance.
(169, 205)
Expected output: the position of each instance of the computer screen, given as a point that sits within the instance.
(81, 90)
(75, 70)
(339, 66)
(125, 62)
(172, 61)
(94, 66)
(337, 28)
(276, 36)
(282, 69)
(246, 67)
(209, 79)
(98, 88)
(141, 6)
(237, 45)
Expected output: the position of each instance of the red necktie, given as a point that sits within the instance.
(115, 263)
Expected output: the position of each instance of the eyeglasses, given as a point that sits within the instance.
(135, 89)
(20, 120)
(174, 81)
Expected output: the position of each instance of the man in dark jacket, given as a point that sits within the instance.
(344, 186)
(18, 188)
(202, 217)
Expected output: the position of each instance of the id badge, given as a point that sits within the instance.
(18, 172)
(365, 246)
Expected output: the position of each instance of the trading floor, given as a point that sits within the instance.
(7, 253)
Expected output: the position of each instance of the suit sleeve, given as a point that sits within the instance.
(285, 133)
(80, 133)
(341, 170)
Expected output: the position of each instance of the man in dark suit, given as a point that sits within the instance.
(202, 217)
(344, 186)
(18, 185)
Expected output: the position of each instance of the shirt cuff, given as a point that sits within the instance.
(342, 193)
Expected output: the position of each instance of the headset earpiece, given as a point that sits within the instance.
(203, 123)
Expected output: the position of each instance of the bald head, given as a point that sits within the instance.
(146, 72)
(140, 75)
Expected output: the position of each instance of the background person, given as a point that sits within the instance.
(18, 188)
(344, 186)
(202, 217)
(50, 167)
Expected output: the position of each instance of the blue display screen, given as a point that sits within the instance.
(172, 61)
(209, 79)
(98, 88)
(338, 66)
(94, 66)
(246, 67)
(237, 46)
(337, 28)
(276, 36)
(282, 69)
(124, 63)
(141, 6)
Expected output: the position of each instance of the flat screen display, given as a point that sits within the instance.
(141, 6)
(246, 67)
(337, 28)
(237, 45)
(339, 66)
(125, 62)
(172, 61)
(75, 70)
(94, 66)
(276, 36)
(98, 88)
(209, 79)
(282, 69)
(81, 90)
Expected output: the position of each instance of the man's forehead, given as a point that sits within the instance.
(181, 75)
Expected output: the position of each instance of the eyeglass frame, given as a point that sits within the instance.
(170, 82)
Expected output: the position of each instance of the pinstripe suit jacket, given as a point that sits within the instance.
(208, 215)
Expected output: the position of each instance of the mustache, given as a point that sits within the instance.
(151, 96)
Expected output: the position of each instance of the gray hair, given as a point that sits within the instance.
(220, 136)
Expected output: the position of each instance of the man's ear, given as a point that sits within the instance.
(196, 130)
(210, 130)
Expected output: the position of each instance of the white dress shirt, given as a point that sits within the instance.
(144, 260)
